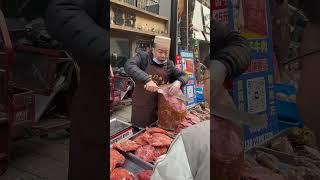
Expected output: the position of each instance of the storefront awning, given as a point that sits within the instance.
(198, 35)
(201, 19)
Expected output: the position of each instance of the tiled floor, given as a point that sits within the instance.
(46, 159)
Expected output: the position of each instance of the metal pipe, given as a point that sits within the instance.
(187, 24)
(173, 29)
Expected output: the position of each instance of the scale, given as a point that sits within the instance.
(120, 130)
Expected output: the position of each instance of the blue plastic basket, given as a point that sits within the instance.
(199, 94)
(283, 125)
(287, 111)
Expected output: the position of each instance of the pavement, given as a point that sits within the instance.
(46, 158)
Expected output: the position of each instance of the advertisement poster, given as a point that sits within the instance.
(187, 64)
(253, 90)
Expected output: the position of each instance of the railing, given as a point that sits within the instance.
(148, 5)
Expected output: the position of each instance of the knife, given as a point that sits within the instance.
(239, 117)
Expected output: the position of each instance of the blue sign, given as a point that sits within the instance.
(253, 91)
(187, 65)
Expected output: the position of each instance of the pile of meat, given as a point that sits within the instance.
(172, 111)
(293, 156)
(173, 116)
(117, 162)
(188, 121)
(148, 146)
(202, 111)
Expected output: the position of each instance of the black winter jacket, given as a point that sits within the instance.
(135, 68)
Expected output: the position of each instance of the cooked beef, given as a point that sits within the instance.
(171, 111)
(260, 173)
(282, 144)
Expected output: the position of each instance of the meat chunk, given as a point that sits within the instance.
(127, 146)
(145, 175)
(159, 139)
(121, 174)
(156, 130)
(192, 118)
(142, 139)
(282, 144)
(146, 153)
(160, 151)
(116, 159)
(112, 164)
(260, 173)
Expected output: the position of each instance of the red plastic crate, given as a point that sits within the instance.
(22, 111)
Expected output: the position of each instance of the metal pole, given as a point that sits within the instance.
(187, 24)
(173, 29)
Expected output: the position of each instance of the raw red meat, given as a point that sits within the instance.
(142, 139)
(127, 145)
(192, 118)
(156, 130)
(160, 151)
(146, 153)
(159, 139)
(116, 159)
(186, 124)
(121, 174)
(112, 164)
(145, 175)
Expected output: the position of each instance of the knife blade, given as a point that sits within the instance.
(239, 117)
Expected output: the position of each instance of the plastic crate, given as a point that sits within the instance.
(287, 111)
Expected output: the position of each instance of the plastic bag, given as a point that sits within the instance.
(171, 111)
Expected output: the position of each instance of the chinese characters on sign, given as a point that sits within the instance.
(259, 46)
(187, 64)
(218, 4)
(255, 17)
(122, 17)
(221, 15)
(260, 65)
(240, 96)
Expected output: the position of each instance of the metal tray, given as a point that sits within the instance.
(135, 165)
(133, 156)
(118, 126)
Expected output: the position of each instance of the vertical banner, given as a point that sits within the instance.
(187, 65)
(253, 90)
